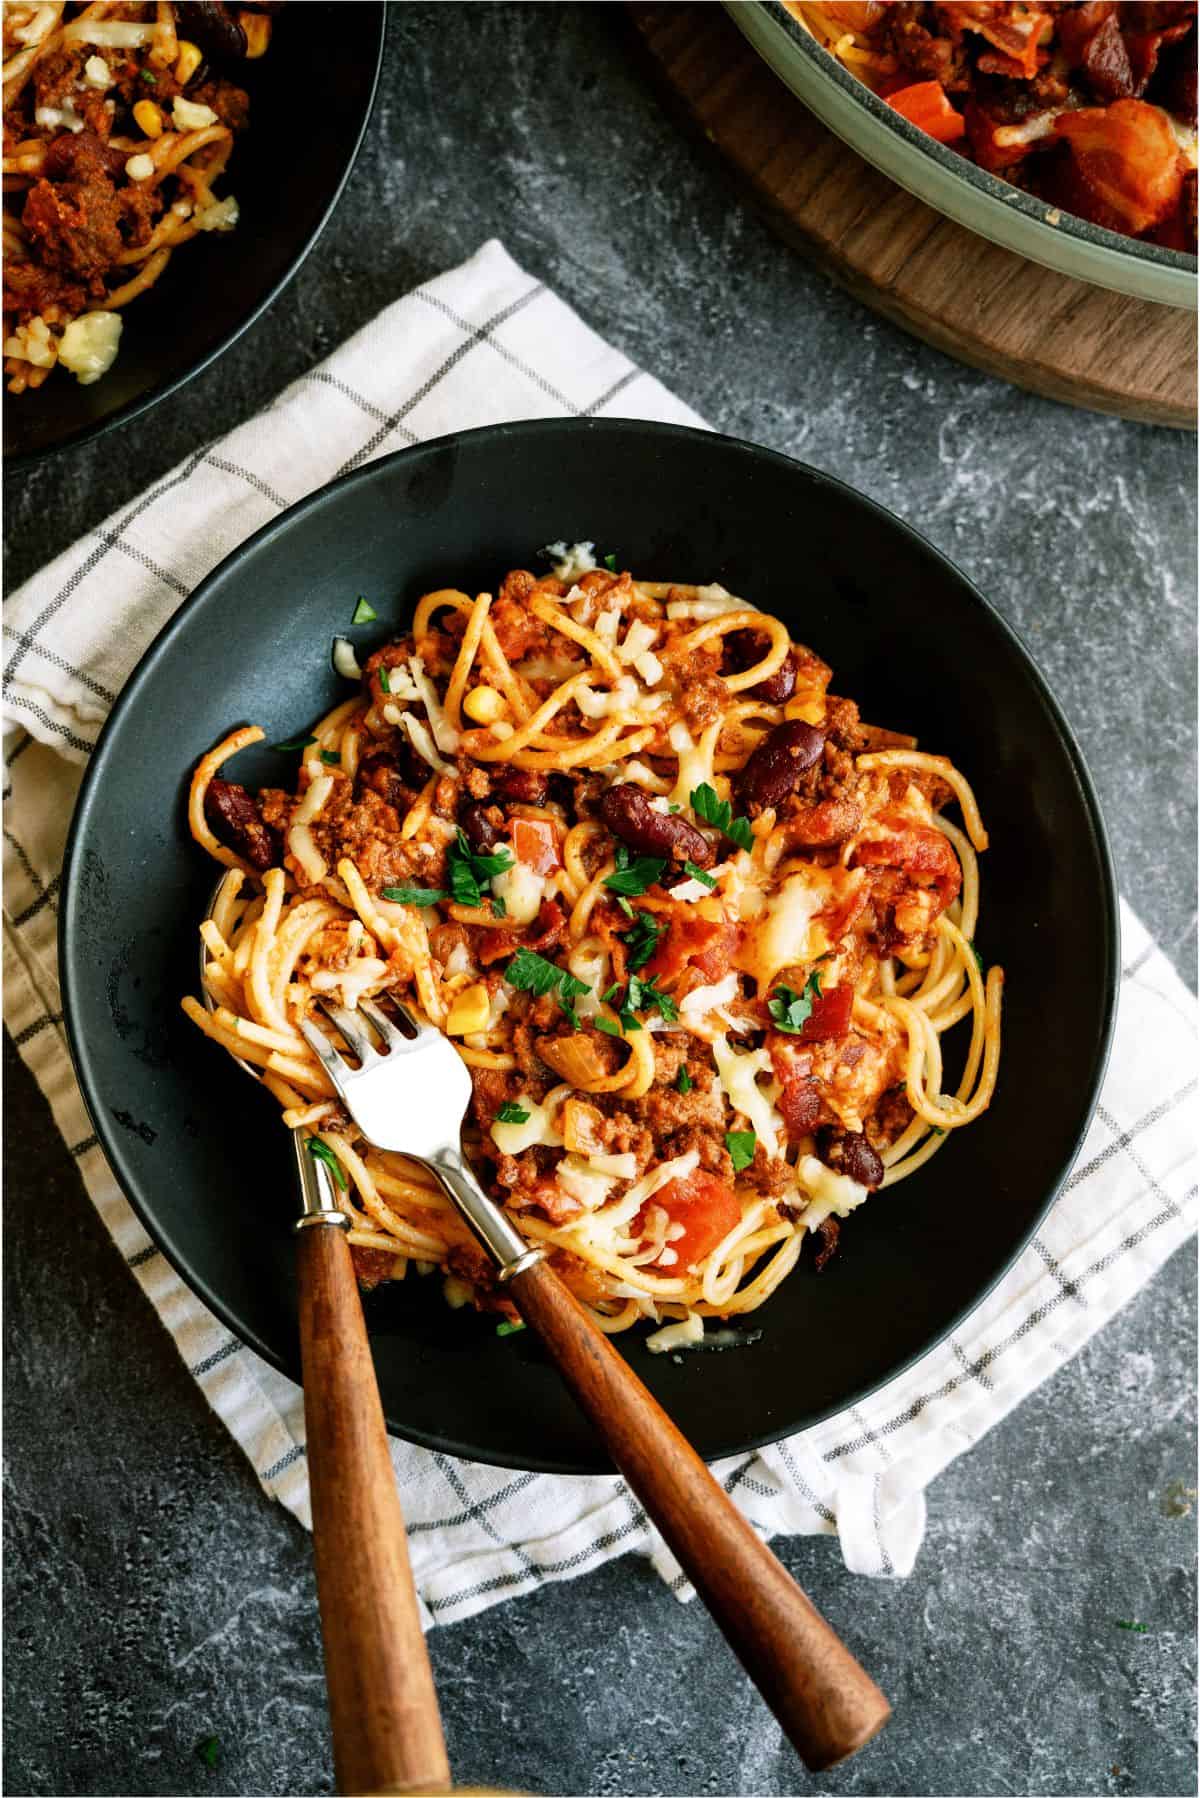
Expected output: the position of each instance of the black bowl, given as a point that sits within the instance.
(287, 173)
(200, 1150)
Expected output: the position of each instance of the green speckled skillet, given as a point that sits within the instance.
(948, 182)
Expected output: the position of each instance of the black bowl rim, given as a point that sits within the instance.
(514, 435)
(1013, 198)
(15, 464)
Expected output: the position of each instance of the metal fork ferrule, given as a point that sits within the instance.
(316, 1189)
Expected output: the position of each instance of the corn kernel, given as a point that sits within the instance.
(149, 118)
(257, 27)
(187, 62)
(469, 1011)
(484, 705)
(811, 711)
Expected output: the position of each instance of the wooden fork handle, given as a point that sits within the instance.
(383, 1709)
(828, 1706)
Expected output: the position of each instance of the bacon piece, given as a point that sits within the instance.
(921, 853)
(706, 944)
(1127, 161)
(829, 1019)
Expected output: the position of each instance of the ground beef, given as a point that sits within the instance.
(76, 226)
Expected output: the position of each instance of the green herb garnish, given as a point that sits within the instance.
(740, 1144)
(209, 1749)
(1138, 1628)
(609, 1026)
(640, 995)
(512, 1114)
(510, 1326)
(683, 1081)
(641, 942)
(364, 612)
(719, 813)
(331, 758)
(532, 973)
(320, 1151)
(413, 895)
(706, 880)
(633, 874)
(610, 562)
(470, 872)
(791, 1011)
(293, 744)
(152, 78)
(626, 908)
(978, 958)
(384, 682)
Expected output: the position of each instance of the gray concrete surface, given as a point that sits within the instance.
(155, 1599)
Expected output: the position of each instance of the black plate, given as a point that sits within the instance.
(199, 1149)
(287, 174)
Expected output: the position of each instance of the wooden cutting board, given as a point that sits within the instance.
(983, 304)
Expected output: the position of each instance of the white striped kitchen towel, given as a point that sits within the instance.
(481, 344)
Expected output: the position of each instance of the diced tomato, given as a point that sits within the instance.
(925, 105)
(708, 1210)
(1128, 161)
(829, 1018)
(707, 944)
(535, 844)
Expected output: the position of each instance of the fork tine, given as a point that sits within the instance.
(356, 1038)
(326, 1054)
(395, 1039)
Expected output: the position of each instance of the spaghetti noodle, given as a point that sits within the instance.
(697, 931)
(115, 133)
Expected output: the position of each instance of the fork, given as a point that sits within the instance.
(409, 1093)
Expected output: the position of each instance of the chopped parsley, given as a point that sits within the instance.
(610, 562)
(641, 942)
(320, 1151)
(696, 873)
(331, 758)
(609, 1026)
(152, 78)
(512, 1114)
(791, 1011)
(627, 908)
(208, 1749)
(633, 874)
(470, 872)
(510, 1326)
(413, 895)
(532, 973)
(740, 1144)
(640, 995)
(1138, 1628)
(383, 680)
(978, 958)
(364, 612)
(293, 744)
(683, 1081)
(719, 813)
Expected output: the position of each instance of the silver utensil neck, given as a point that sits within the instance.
(317, 1192)
(506, 1247)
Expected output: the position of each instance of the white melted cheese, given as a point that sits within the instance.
(418, 735)
(676, 1336)
(88, 346)
(570, 560)
(702, 999)
(828, 1191)
(444, 733)
(709, 602)
(351, 983)
(738, 1075)
(584, 1181)
(522, 892)
(661, 1176)
(694, 767)
(780, 934)
(638, 638)
(537, 1132)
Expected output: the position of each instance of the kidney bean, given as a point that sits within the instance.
(482, 832)
(827, 1236)
(524, 786)
(746, 647)
(235, 818)
(774, 770)
(629, 815)
(848, 1152)
(212, 26)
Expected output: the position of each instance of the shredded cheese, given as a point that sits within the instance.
(738, 1075)
(676, 1336)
